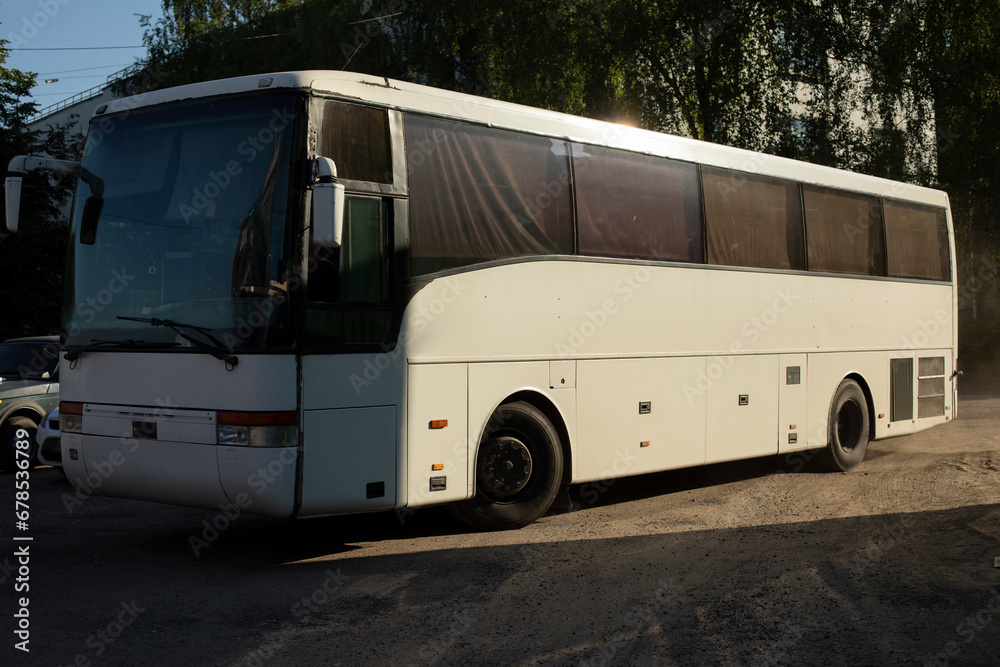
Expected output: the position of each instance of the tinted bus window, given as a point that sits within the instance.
(637, 206)
(917, 241)
(356, 138)
(479, 194)
(844, 232)
(752, 220)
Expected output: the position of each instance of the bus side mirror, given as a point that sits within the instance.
(25, 164)
(12, 196)
(91, 214)
(327, 205)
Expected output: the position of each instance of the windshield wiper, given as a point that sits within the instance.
(217, 349)
(73, 355)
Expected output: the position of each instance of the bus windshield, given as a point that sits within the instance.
(196, 225)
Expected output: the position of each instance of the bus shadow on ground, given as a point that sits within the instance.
(296, 540)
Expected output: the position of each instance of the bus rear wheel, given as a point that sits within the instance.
(518, 470)
(849, 428)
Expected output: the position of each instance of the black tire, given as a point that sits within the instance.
(849, 428)
(8, 440)
(519, 467)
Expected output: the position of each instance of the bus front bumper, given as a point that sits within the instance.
(254, 480)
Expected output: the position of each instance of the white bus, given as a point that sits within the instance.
(317, 293)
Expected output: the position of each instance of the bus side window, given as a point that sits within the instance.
(363, 272)
(348, 289)
(844, 232)
(357, 271)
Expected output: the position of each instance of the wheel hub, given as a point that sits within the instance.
(849, 426)
(506, 467)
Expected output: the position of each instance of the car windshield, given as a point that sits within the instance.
(28, 360)
(195, 225)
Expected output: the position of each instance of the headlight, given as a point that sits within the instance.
(70, 417)
(257, 429)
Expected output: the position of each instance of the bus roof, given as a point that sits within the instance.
(460, 106)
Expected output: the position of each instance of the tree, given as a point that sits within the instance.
(556, 62)
(33, 260)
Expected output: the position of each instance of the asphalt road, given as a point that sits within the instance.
(749, 563)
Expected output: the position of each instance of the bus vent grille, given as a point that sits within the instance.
(901, 389)
(930, 387)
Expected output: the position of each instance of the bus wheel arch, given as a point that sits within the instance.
(850, 425)
(519, 467)
(866, 390)
(555, 417)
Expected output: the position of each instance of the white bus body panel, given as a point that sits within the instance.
(612, 429)
(168, 380)
(437, 392)
(793, 402)
(689, 339)
(183, 465)
(345, 452)
(353, 416)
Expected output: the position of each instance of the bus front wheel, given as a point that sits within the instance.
(518, 470)
(849, 424)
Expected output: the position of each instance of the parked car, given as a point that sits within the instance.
(29, 389)
(49, 447)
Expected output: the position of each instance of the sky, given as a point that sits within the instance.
(37, 28)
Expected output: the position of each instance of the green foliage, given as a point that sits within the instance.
(31, 261)
(203, 40)
(557, 61)
(904, 89)
(776, 76)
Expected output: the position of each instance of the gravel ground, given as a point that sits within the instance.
(755, 562)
